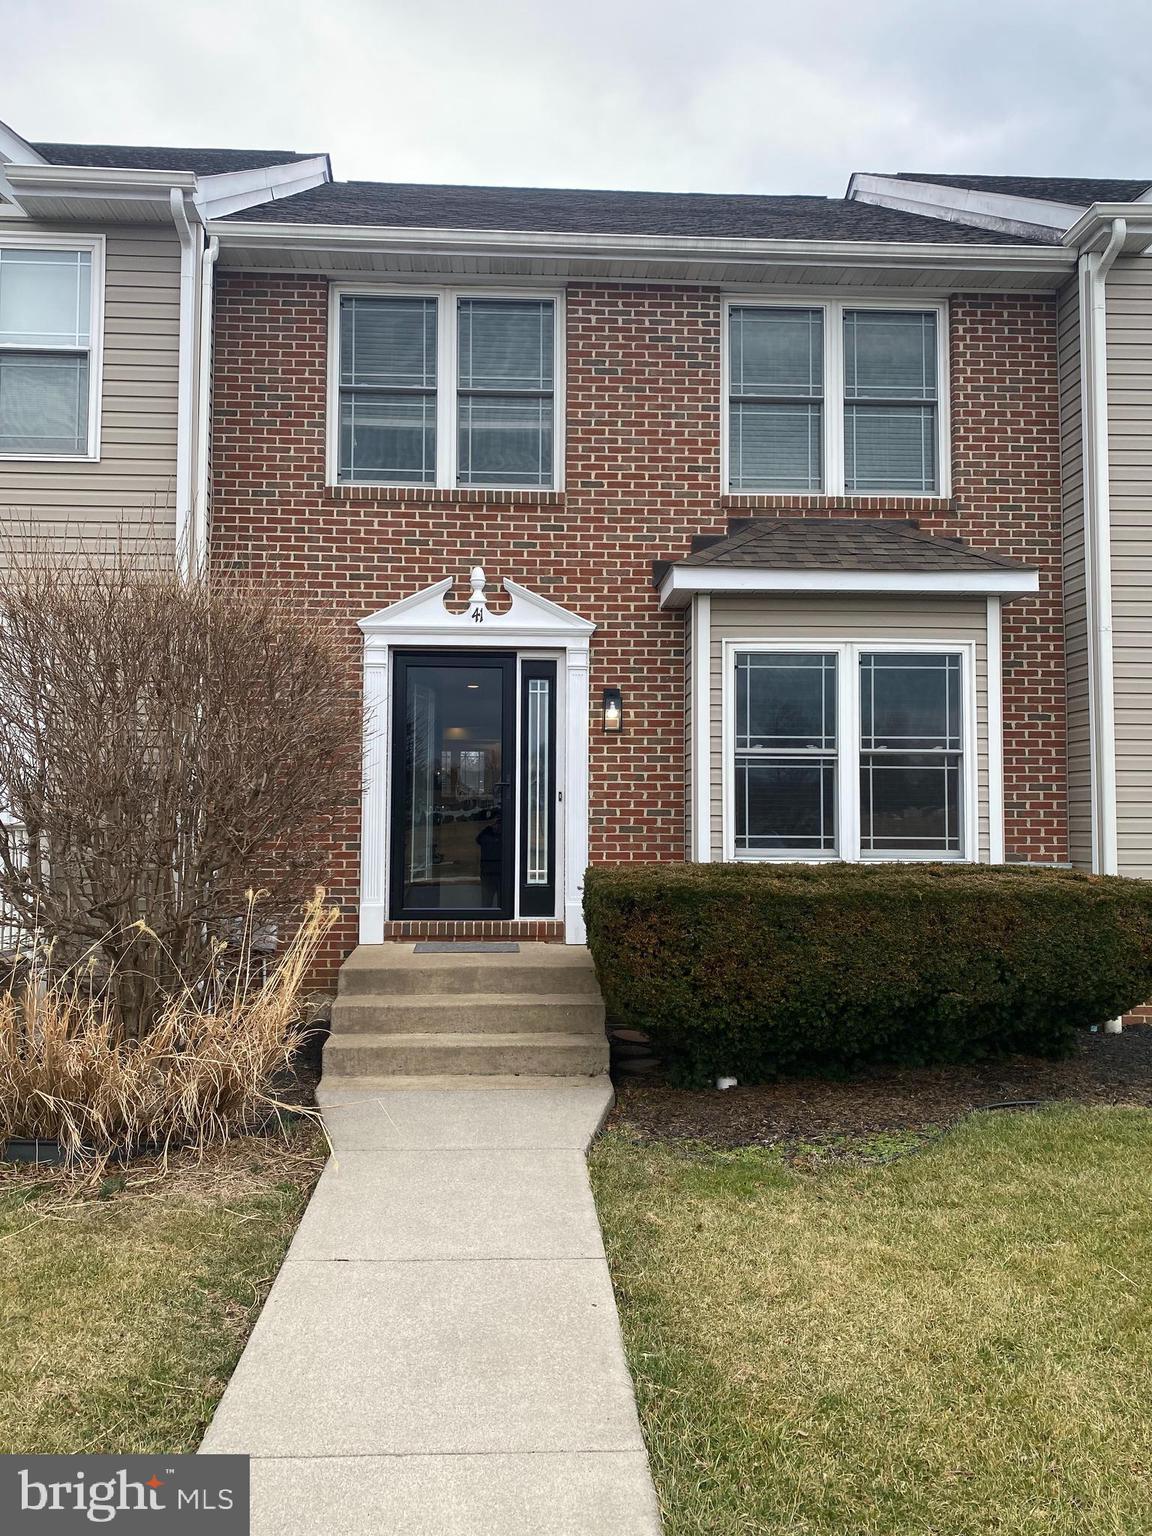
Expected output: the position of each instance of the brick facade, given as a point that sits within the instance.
(642, 476)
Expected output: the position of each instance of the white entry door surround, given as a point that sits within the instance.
(531, 626)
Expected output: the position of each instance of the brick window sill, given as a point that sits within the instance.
(800, 502)
(440, 496)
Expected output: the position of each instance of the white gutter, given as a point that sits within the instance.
(1094, 269)
(681, 582)
(257, 235)
(200, 495)
(185, 394)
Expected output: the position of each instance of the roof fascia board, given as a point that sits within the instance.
(682, 581)
(414, 241)
(1032, 217)
(232, 191)
(17, 150)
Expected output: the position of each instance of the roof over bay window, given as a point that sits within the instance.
(830, 555)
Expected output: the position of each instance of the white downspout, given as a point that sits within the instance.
(185, 396)
(1094, 269)
(200, 529)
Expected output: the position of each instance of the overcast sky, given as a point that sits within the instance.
(714, 95)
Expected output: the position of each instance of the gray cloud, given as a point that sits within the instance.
(777, 97)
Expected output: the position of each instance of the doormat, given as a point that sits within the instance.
(465, 947)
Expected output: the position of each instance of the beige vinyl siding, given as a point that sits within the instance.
(133, 483)
(1075, 593)
(1130, 457)
(862, 618)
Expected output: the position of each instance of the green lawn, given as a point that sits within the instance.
(123, 1312)
(954, 1343)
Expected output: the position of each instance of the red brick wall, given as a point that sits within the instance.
(642, 476)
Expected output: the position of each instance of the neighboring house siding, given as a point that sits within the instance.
(131, 490)
(643, 385)
(903, 619)
(1075, 595)
(1130, 457)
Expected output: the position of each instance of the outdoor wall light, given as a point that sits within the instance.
(613, 705)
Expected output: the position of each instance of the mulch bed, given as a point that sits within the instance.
(1106, 1069)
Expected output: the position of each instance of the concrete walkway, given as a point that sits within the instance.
(440, 1353)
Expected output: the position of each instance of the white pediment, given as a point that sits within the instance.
(425, 619)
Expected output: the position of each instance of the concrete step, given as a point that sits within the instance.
(425, 1054)
(385, 968)
(468, 1013)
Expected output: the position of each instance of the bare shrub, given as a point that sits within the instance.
(164, 746)
(206, 1070)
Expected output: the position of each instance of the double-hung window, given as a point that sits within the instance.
(447, 389)
(49, 348)
(835, 397)
(849, 751)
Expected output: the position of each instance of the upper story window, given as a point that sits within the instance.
(48, 349)
(835, 397)
(446, 389)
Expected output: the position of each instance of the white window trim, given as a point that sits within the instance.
(446, 387)
(833, 403)
(848, 749)
(94, 244)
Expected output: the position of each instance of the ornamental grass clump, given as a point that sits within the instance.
(755, 970)
(206, 1070)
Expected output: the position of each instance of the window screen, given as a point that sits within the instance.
(890, 401)
(388, 389)
(45, 338)
(776, 411)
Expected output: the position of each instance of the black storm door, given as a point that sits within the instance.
(453, 786)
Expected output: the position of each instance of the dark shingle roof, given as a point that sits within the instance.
(135, 157)
(1079, 190)
(570, 211)
(841, 544)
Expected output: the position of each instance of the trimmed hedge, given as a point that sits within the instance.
(762, 969)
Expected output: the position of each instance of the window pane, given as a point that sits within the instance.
(43, 403)
(910, 803)
(506, 345)
(889, 355)
(505, 441)
(776, 447)
(890, 447)
(785, 805)
(45, 298)
(785, 700)
(388, 343)
(910, 702)
(537, 785)
(388, 437)
(776, 352)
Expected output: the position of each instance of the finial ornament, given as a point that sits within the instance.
(478, 602)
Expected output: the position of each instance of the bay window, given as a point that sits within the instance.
(850, 751)
(49, 340)
(446, 389)
(835, 397)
